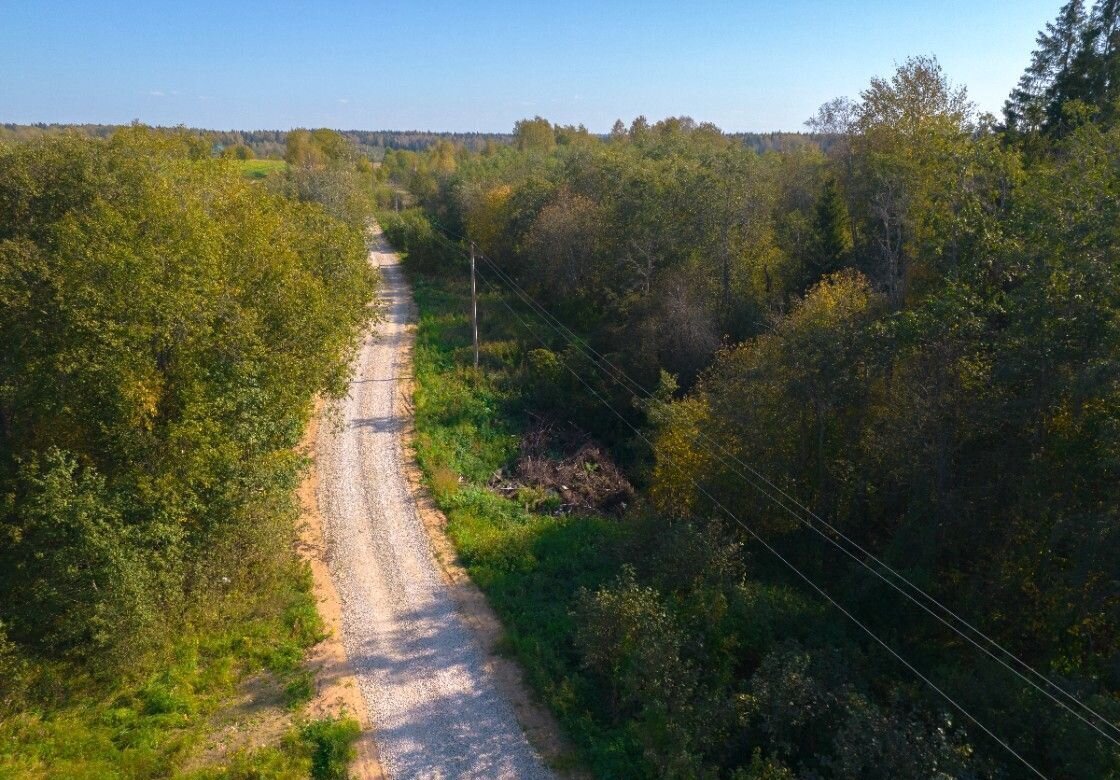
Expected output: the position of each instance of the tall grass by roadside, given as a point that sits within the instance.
(531, 565)
(161, 717)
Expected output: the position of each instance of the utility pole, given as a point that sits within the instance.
(474, 308)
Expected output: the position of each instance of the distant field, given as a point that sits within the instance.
(258, 169)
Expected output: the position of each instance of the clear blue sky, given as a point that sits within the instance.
(463, 65)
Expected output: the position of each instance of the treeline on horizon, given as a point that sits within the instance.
(915, 332)
(272, 144)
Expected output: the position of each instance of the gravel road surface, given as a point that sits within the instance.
(435, 709)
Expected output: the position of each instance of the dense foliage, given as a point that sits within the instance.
(273, 144)
(373, 144)
(166, 325)
(1074, 75)
(914, 332)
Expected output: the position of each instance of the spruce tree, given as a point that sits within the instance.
(1093, 76)
(1028, 106)
(833, 240)
(1104, 40)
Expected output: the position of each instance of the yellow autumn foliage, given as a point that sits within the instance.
(487, 216)
(681, 460)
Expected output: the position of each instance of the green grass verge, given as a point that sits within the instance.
(530, 565)
(148, 727)
(259, 169)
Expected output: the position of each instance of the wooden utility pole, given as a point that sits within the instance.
(474, 308)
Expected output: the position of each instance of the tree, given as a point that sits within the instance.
(783, 398)
(166, 324)
(302, 152)
(1102, 53)
(1027, 108)
(571, 135)
(909, 144)
(238, 152)
(832, 238)
(534, 135)
(486, 216)
(563, 242)
(1089, 82)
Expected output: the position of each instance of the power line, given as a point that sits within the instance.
(620, 377)
(758, 538)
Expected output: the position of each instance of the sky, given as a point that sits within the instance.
(481, 65)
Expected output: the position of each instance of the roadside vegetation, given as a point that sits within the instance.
(528, 559)
(167, 326)
(912, 331)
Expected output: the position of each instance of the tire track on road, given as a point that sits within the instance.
(435, 707)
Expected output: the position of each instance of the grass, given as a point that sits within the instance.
(260, 169)
(331, 747)
(530, 564)
(161, 721)
(319, 750)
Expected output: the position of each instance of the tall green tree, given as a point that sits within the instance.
(534, 135)
(1028, 107)
(832, 238)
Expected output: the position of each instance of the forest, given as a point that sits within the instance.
(167, 325)
(818, 398)
(373, 144)
(272, 144)
(787, 455)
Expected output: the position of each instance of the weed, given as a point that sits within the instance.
(332, 746)
(299, 689)
(444, 482)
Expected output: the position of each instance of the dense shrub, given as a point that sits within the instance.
(412, 232)
(912, 332)
(166, 325)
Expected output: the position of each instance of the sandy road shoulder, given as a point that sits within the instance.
(336, 688)
(421, 651)
(538, 723)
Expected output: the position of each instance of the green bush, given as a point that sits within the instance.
(411, 231)
(76, 570)
(332, 746)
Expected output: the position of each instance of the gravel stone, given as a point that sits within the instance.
(435, 709)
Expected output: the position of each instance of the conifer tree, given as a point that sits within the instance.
(833, 237)
(1027, 108)
(1093, 75)
(1104, 41)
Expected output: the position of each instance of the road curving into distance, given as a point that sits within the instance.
(435, 707)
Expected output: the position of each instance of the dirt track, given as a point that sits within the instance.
(436, 708)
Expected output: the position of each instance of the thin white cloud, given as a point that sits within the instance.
(156, 93)
(344, 101)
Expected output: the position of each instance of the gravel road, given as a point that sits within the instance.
(435, 709)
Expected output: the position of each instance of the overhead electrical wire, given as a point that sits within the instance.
(770, 548)
(807, 519)
(626, 381)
